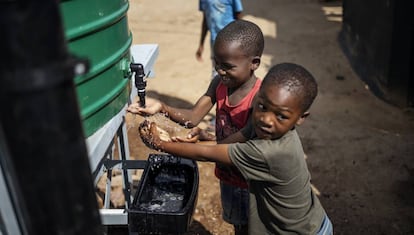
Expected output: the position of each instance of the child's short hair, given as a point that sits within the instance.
(295, 79)
(247, 33)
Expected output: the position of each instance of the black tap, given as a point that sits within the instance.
(140, 82)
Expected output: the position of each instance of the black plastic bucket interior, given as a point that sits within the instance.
(166, 197)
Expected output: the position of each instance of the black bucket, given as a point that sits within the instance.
(166, 196)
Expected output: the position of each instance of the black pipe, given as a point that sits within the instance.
(140, 82)
(41, 121)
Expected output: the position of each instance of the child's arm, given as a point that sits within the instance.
(194, 135)
(188, 117)
(200, 49)
(237, 137)
(197, 134)
(213, 153)
(192, 117)
(238, 15)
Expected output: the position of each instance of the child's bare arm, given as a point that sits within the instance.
(213, 153)
(237, 137)
(189, 117)
(192, 117)
(204, 29)
(194, 135)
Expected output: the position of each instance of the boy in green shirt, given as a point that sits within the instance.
(272, 158)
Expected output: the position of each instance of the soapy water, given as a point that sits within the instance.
(156, 161)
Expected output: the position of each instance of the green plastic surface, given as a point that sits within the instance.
(98, 31)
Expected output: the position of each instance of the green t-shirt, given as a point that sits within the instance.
(281, 198)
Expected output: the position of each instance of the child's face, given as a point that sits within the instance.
(275, 112)
(232, 64)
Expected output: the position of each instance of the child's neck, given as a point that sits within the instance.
(243, 87)
(235, 95)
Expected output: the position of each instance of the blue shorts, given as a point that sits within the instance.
(235, 203)
(326, 227)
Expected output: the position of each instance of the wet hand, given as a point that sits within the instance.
(196, 134)
(150, 135)
(192, 136)
(204, 135)
(152, 106)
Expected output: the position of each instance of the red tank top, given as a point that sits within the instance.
(229, 120)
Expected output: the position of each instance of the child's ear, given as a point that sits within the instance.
(255, 62)
(302, 118)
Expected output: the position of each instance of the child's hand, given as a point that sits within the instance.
(195, 135)
(204, 135)
(192, 136)
(199, 53)
(152, 106)
(150, 135)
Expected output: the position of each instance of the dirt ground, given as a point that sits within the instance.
(359, 149)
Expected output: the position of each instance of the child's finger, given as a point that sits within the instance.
(134, 108)
(194, 132)
(153, 128)
(184, 140)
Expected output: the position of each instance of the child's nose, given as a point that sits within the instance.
(221, 71)
(266, 120)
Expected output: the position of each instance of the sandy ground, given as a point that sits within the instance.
(360, 149)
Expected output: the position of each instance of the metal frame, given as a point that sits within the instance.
(8, 221)
(101, 144)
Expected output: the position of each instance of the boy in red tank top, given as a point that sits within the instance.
(237, 53)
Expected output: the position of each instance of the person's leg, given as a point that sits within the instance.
(235, 203)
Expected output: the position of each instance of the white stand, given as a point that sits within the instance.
(100, 144)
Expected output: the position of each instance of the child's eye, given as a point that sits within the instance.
(224, 66)
(281, 117)
(261, 106)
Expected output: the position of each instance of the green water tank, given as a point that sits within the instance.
(98, 31)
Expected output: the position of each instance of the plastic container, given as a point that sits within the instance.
(166, 196)
(98, 31)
